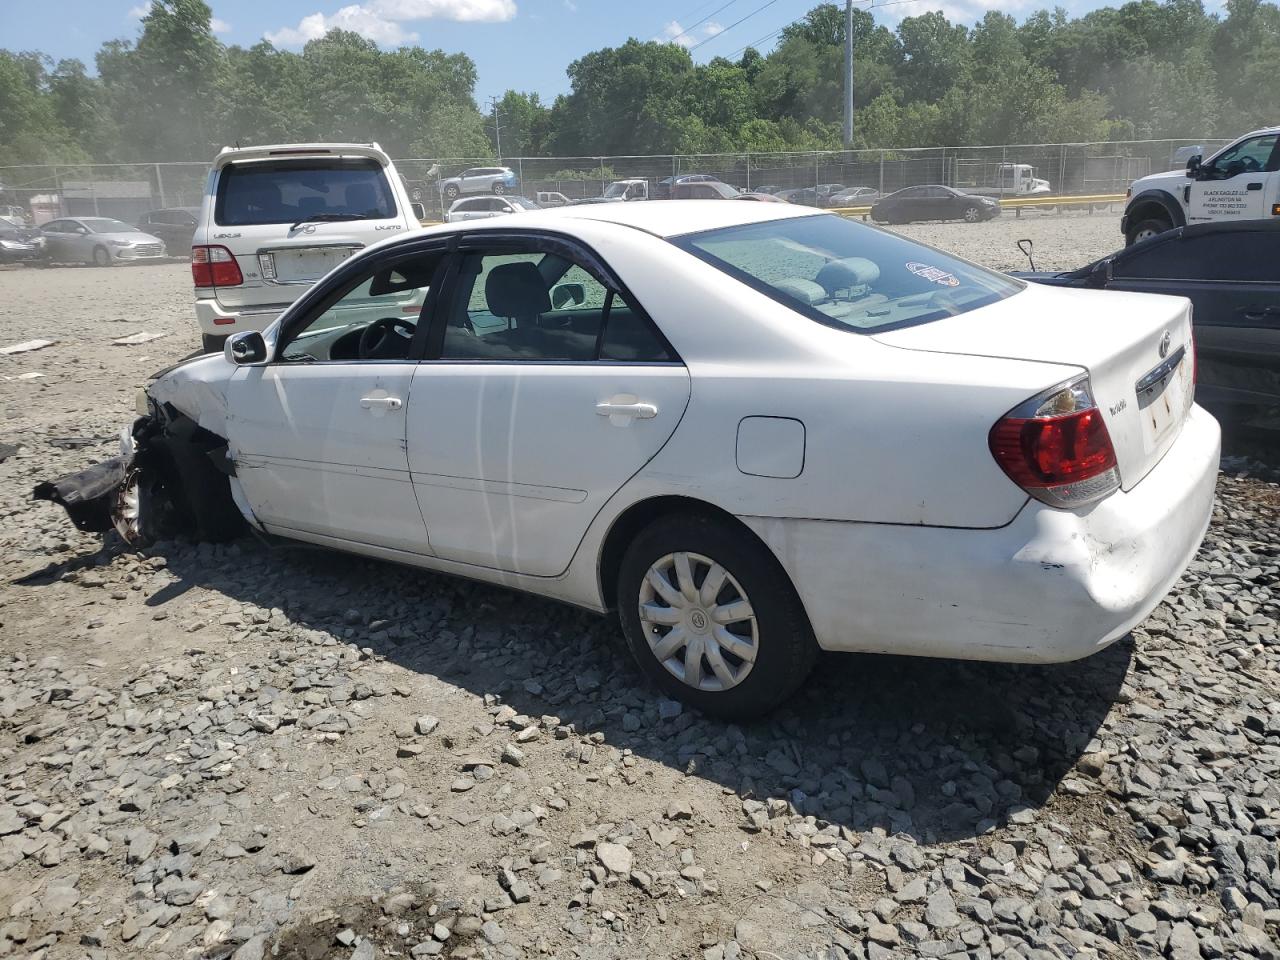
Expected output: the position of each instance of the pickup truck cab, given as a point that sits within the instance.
(277, 218)
(1239, 182)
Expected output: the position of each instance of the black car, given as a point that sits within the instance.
(933, 201)
(1231, 273)
(176, 226)
(20, 242)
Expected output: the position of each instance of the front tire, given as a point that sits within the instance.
(499, 189)
(711, 617)
(451, 192)
(1146, 229)
(101, 258)
(971, 214)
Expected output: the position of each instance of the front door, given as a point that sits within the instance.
(318, 435)
(1241, 183)
(548, 390)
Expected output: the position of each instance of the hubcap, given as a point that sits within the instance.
(1146, 234)
(698, 621)
(971, 215)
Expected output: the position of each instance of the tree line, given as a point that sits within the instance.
(1145, 69)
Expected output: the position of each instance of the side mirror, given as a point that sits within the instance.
(1193, 166)
(418, 210)
(568, 295)
(247, 349)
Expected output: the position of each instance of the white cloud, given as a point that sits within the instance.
(672, 32)
(139, 11)
(379, 20)
(219, 26)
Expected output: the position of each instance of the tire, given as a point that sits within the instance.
(1145, 229)
(212, 343)
(777, 631)
(499, 189)
(101, 258)
(451, 192)
(971, 215)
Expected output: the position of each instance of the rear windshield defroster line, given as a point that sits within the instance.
(295, 190)
(846, 274)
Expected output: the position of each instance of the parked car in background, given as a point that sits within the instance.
(176, 226)
(760, 197)
(480, 208)
(703, 190)
(1239, 182)
(804, 196)
(853, 197)
(497, 180)
(20, 243)
(753, 431)
(277, 218)
(100, 241)
(1231, 274)
(826, 191)
(933, 202)
(767, 188)
(664, 189)
(550, 198)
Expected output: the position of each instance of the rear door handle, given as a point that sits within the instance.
(1261, 313)
(381, 403)
(622, 410)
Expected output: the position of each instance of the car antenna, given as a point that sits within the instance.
(1026, 246)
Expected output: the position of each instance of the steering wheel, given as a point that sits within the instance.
(379, 339)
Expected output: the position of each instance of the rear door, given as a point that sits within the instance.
(289, 220)
(527, 418)
(1232, 278)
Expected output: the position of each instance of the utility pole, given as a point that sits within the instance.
(848, 74)
(497, 129)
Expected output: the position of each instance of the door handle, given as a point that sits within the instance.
(1261, 313)
(622, 410)
(381, 403)
(1255, 186)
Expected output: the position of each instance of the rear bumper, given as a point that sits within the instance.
(219, 321)
(1051, 586)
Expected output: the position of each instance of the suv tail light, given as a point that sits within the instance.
(215, 266)
(1056, 446)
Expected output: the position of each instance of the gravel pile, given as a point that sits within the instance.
(248, 751)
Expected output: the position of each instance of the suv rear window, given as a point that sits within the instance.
(286, 191)
(848, 275)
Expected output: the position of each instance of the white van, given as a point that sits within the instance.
(277, 218)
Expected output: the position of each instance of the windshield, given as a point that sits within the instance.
(289, 191)
(617, 190)
(849, 275)
(106, 225)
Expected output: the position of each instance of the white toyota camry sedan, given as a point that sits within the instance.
(754, 431)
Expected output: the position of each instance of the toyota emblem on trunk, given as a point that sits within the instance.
(1165, 340)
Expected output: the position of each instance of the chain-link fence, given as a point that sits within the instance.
(126, 191)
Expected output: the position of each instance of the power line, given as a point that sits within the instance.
(732, 25)
(699, 23)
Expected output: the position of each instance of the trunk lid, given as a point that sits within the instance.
(1137, 349)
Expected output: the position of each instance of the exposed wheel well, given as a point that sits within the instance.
(1155, 206)
(638, 516)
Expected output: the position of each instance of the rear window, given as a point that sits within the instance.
(286, 191)
(848, 275)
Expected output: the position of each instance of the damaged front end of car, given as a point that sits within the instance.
(170, 479)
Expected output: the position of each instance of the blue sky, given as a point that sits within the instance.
(519, 44)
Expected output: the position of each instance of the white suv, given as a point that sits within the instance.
(277, 218)
(1239, 182)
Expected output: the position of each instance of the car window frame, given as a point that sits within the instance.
(346, 278)
(577, 252)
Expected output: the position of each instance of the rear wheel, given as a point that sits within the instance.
(499, 189)
(711, 617)
(1146, 229)
(101, 258)
(451, 191)
(212, 343)
(971, 214)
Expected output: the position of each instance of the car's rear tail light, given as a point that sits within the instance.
(1056, 446)
(215, 266)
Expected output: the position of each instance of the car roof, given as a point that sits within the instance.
(667, 218)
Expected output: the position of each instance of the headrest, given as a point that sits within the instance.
(516, 290)
(849, 272)
(806, 291)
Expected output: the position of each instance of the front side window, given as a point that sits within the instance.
(1237, 256)
(1256, 155)
(288, 191)
(530, 306)
(374, 319)
(848, 275)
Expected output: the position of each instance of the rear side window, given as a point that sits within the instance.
(1242, 256)
(848, 275)
(286, 191)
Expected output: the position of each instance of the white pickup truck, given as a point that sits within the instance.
(1239, 182)
(1002, 180)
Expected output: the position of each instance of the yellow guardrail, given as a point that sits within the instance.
(1018, 203)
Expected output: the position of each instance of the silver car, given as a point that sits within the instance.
(479, 208)
(101, 241)
(498, 180)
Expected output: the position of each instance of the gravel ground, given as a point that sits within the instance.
(250, 751)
